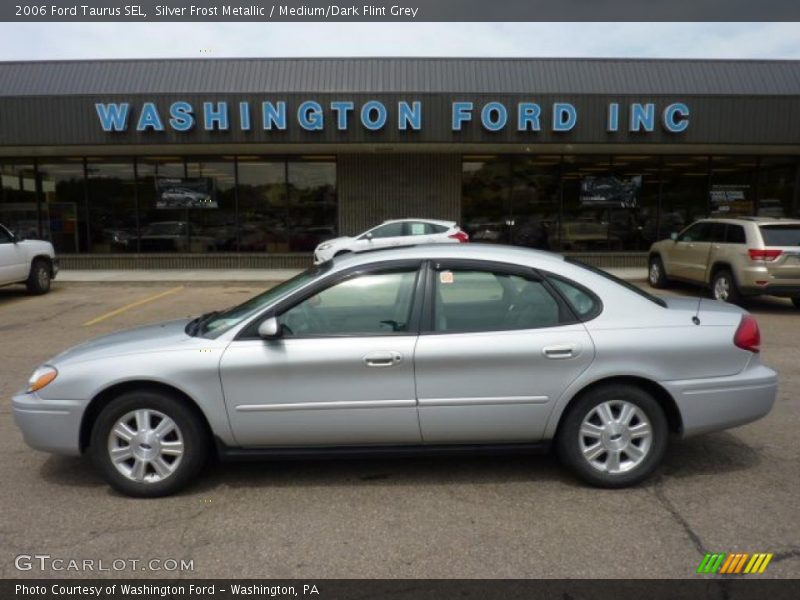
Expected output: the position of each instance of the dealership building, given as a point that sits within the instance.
(252, 162)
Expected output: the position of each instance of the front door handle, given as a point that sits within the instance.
(383, 359)
(558, 352)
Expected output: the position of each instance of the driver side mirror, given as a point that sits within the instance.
(269, 329)
(368, 237)
(673, 236)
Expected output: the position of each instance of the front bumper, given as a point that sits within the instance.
(720, 403)
(49, 425)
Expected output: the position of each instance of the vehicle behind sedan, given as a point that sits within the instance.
(390, 234)
(437, 348)
(30, 262)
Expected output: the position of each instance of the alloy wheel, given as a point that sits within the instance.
(655, 273)
(145, 446)
(615, 436)
(722, 289)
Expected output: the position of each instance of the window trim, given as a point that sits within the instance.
(250, 331)
(428, 323)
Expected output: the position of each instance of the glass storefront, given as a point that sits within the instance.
(172, 203)
(613, 203)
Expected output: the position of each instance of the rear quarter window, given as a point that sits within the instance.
(584, 304)
(781, 235)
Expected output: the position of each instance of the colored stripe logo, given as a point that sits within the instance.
(737, 563)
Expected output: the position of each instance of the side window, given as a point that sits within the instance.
(370, 304)
(735, 235)
(717, 232)
(584, 305)
(417, 228)
(699, 232)
(433, 228)
(468, 300)
(388, 230)
(5, 236)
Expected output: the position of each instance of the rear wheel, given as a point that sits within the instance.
(723, 287)
(148, 444)
(613, 436)
(655, 273)
(39, 278)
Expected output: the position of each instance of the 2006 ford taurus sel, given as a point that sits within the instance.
(430, 348)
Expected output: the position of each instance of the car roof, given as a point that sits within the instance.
(756, 220)
(473, 251)
(409, 220)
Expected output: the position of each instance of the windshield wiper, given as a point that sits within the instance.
(194, 326)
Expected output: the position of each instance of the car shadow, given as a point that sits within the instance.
(712, 453)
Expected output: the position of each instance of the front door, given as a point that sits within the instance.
(501, 349)
(341, 374)
(14, 264)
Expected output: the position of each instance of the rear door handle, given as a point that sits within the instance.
(383, 359)
(558, 352)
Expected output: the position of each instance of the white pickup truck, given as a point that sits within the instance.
(32, 262)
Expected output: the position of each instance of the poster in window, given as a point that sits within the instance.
(194, 192)
(608, 191)
(731, 200)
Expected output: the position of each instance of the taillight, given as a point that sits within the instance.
(747, 336)
(461, 236)
(765, 255)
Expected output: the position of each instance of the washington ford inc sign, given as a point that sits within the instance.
(374, 115)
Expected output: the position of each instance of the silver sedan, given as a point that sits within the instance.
(424, 349)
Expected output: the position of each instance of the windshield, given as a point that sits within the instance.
(781, 235)
(215, 324)
(617, 280)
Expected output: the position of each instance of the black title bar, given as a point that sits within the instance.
(400, 11)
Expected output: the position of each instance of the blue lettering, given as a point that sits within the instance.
(341, 109)
(613, 117)
(676, 117)
(462, 112)
(643, 116)
(366, 115)
(181, 118)
(244, 116)
(274, 115)
(113, 117)
(215, 117)
(310, 116)
(494, 116)
(149, 118)
(528, 114)
(409, 116)
(564, 116)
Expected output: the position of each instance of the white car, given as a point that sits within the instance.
(32, 262)
(398, 232)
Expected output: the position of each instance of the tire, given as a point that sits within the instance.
(723, 287)
(160, 463)
(656, 276)
(39, 278)
(592, 457)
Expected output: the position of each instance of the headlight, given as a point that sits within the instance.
(324, 246)
(41, 377)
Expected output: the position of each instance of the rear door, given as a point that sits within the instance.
(786, 238)
(498, 348)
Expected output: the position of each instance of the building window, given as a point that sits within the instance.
(486, 185)
(589, 192)
(312, 203)
(112, 205)
(213, 210)
(65, 218)
(684, 192)
(778, 186)
(733, 183)
(263, 205)
(18, 209)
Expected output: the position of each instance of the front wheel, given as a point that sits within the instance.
(613, 436)
(39, 277)
(655, 273)
(148, 444)
(723, 287)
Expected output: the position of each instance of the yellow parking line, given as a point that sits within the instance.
(122, 309)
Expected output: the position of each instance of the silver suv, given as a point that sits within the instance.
(737, 257)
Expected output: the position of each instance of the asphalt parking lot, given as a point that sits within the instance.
(498, 517)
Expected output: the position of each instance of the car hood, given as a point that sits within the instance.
(337, 241)
(157, 337)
